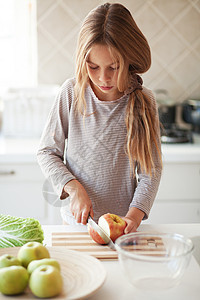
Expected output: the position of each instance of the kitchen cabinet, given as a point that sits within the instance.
(178, 198)
(21, 193)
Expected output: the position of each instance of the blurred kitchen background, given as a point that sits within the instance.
(37, 54)
(171, 27)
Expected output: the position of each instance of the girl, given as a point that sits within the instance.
(101, 143)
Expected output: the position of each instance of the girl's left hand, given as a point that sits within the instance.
(133, 219)
(131, 225)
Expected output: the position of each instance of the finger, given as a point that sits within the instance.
(85, 215)
(91, 212)
(84, 218)
(131, 228)
(128, 228)
(78, 217)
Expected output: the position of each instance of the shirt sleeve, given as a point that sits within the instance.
(51, 150)
(147, 186)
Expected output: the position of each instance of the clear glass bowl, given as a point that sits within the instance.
(154, 261)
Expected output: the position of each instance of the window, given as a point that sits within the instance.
(18, 47)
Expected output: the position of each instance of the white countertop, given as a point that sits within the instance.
(19, 150)
(16, 150)
(117, 287)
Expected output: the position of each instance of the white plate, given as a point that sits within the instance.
(82, 274)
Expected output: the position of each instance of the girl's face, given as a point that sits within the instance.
(103, 73)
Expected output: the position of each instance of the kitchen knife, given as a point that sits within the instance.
(102, 233)
(49, 194)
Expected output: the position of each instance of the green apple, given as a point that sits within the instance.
(45, 261)
(13, 280)
(8, 260)
(32, 251)
(46, 281)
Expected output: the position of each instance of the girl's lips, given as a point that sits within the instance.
(106, 88)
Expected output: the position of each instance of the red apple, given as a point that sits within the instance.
(113, 225)
(95, 236)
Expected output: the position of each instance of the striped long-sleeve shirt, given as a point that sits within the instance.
(93, 152)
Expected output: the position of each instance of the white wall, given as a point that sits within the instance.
(172, 28)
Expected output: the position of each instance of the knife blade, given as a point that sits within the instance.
(102, 233)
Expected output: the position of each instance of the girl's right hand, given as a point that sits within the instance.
(80, 203)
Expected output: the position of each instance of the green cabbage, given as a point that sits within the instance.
(16, 231)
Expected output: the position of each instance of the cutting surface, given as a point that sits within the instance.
(81, 241)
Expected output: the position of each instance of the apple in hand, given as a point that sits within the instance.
(95, 236)
(113, 225)
(13, 280)
(8, 260)
(32, 251)
(44, 261)
(46, 281)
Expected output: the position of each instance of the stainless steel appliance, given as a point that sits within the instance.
(171, 131)
(191, 113)
(174, 134)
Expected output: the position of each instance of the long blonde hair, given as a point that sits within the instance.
(114, 26)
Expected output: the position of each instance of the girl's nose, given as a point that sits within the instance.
(104, 76)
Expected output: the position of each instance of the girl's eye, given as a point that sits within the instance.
(110, 68)
(93, 68)
(114, 68)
